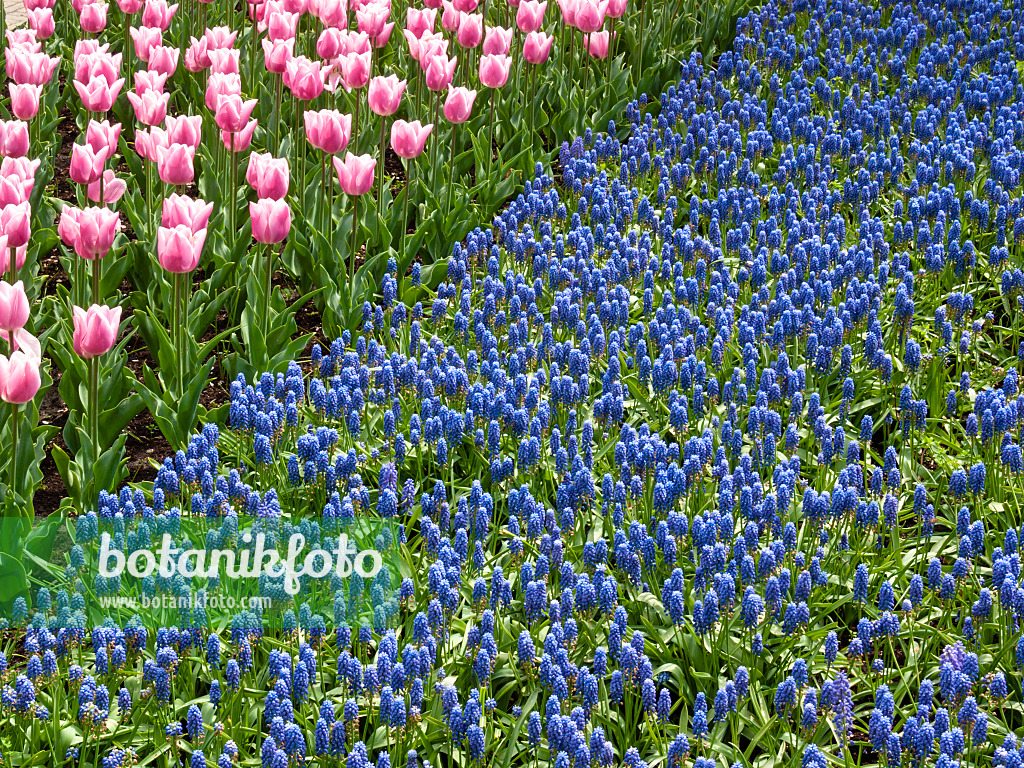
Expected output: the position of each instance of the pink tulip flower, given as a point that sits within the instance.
(277, 54)
(25, 100)
(185, 129)
(537, 47)
(458, 106)
(271, 220)
(163, 59)
(568, 9)
(497, 41)
(96, 330)
(14, 141)
(617, 8)
(355, 70)
(304, 78)
(86, 164)
(268, 175)
(19, 377)
(93, 18)
(181, 210)
(225, 61)
(332, 13)
(26, 66)
(157, 13)
(450, 17)
(240, 140)
(219, 86)
(385, 94)
(439, 72)
(90, 232)
(355, 173)
(13, 306)
(150, 107)
(328, 130)
(179, 248)
(494, 70)
(471, 30)
(466, 6)
(328, 45)
(98, 94)
(40, 21)
(113, 188)
(596, 44)
(15, 223)
(408, 139)
(282, 26)
(197, 55)
(149, 81)
(129, 7)
(232, 113)
(420, 22)
(176, 164)
(146, 39)
(372, 19)
(218, 38)
(530, 16)
(590, 14)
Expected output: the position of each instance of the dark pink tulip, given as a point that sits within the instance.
(219, 86)
(19, 377)
(86, 164)
(596, 44)
(277, 54)
(328, 45)
(181, 210)
(271, 220)
(150, 107)
(459, 104)
(590, 14)
(304, 78)
(408, 139)
(450, 17)
(163, 59)
(494, 70)
(232, 113)
(176, 164)
(146, 39)
(14, 141)
(268, 175)
(328, 130)
(185, 129)
(466, 6)
(355, 173)
(385, 94)
(471, 30)
(96, 330)
(158, 13)
(93, 18)
(530, 16)
(420, 22)
(239, 141)
(497, 41)
(179, 248)
(13, 306)
(440, 71)
(40, 20)
(537, 47)
(113, 189)
(355, 70)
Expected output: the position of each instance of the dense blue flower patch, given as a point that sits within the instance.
(707, 451)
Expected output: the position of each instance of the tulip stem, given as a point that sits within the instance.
(13, 256)
(490, 139)
(12, 494)
(94, 417)
(380, 188)
(266, 298)
(433, 148)
(96, 268)
(352, 249)
(405, 207)
(451, 175)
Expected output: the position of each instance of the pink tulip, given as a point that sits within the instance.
(494, 70)
(298, 7)
(537, 47)
(408, 139)
(232, 113)
(282, 26)
(219, 86)
(148, 142)
(12, 191)
(355, 70)
(14, 141)
(439, 72)
(20, 170)
(380, 40)
(25, 100)
(617, 8)
(497, 41)
(450, 17)
(530, 16)
(179, 248)
(15, 223)
(268, 175)
(93, 18)
(185, 129)
(19, 377)
(218, 38)
(90, 232)
(26, 66)
(356, 42)
(150, 107)
(304, 78)
(372, 19)
(419, 22)
(271, 220)
(13, 306)
(163, 59)
(459, 104)
(385, 94)
(95, 330)
(328, 130)
(25, 38)
(355, 173)
(197, 55)
(149, 81)
(431, 45)
(277, 54)
(596, 44)
(332, 13)
(590, 14)
(433, 4)
(146, 39)
(98, 94)
(113, 189)
(86, 164)
(175, 164)
(240, 140)
(129, 7)
(568, 9)
(93, 60)
(466, 6)
(225, 61)
(180, 210)
(471, 30)
(328, 45)
(158, 13)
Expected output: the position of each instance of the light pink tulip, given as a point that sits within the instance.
(617, 8)
(408, 139)
(439, 72)
(218, 38)
(25, 100)
(93, 18)
(113, 188)
(355, 70)
(568, 9)
(225, 61)
(15, 223)
(219, 86)
(450, 17)
(13, 305)
(268, 175)
(181, 210)
(282, 26)
(129, 7)
(176, 164)
(271, 220)
(537, 47)
(471, 30)
(197, 55)
(530, 16)
(596, 44)
(149, 81)
(497, 41)
(146, 39)
(332, 13)
(185, 129)
(328, 45)
(90, 232)
(355, 173)
(328, 130)
(420, 22)
(304, 78)
(232, 113)
(14, 141)
(163, 59)
(40, 20)
(157, 13)
(19, 377)
(372, 19)
(590, 14)
(86, 164)
(458, 106)
(277, 54)
(98, 94)
(179, 248)
(494, 70)
(96, 330)
(385, 94)
(240, 140)
(26, 66)
(150, 107)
